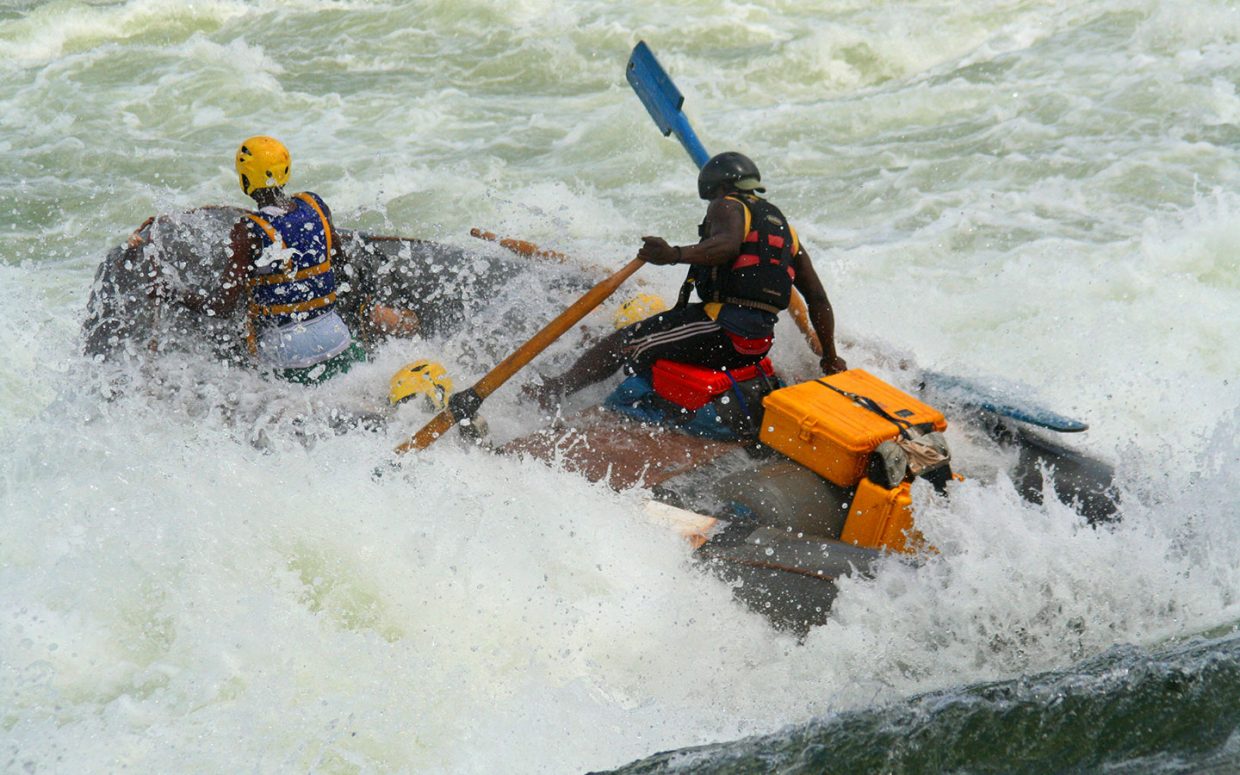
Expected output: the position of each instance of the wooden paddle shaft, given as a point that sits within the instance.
(519, 246)
(800, 314)
(497, 376)
(438, 426)
(796, 304)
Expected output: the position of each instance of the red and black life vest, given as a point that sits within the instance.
(761, 276)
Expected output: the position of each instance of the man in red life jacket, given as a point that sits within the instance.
(744, 269)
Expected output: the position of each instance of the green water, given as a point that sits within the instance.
(1128, 710)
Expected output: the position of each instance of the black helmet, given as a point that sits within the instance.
(731, 167)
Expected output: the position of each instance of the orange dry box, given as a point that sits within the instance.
(882, 519)
(826, 426)
(830, 433)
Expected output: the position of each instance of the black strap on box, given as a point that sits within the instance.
(866, 402)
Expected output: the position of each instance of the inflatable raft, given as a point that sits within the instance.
(782, 489)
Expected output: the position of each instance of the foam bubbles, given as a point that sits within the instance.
(200, 574)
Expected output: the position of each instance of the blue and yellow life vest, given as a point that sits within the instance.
(761, 276)
(293, 280)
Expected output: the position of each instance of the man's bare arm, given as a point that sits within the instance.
(727, 232)
(821, 315)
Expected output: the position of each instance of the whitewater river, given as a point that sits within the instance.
(191, 581)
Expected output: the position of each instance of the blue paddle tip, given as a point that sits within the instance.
(663, 101)
(1004, 399)
(654, 88)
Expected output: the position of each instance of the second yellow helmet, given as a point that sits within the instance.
(262, 162)
(421, 378)
(640, 307)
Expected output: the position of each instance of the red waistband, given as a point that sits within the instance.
(746, 346)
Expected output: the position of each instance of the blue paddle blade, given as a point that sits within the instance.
(654, 87)
(663, 100)
(1000, 398)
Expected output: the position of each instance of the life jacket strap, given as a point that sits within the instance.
(267, 228)
(282, 277)
(753, 304)
(686, 291)
(327, 229)
(269, 310)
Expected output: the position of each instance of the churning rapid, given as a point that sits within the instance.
(197, 573)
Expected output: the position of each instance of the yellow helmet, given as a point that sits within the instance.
(421, 378)
(640, 307)
(262, 162)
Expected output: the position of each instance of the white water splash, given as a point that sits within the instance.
(1040, 192)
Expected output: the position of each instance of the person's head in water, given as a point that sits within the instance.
(728, 172)
(262, 168)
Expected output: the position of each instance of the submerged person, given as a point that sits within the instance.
(283, 258)
(744, 268)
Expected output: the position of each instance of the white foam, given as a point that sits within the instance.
(191, 582)
(52, 30)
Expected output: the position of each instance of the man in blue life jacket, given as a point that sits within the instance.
(744, 269)
(282, 263)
